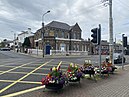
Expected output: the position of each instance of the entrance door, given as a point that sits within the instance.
(48, 48)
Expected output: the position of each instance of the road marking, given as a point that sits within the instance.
(30, 67)
(26, 73)
(26, 82)
(23, 92)
(23, 77)
(14, 68)
(59, 64)
(20, 67)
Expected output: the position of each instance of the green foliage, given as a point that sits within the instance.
(2, 44)
(26, 43)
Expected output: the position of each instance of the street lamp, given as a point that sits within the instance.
(122, 50)
(111, 45)
(43, 31)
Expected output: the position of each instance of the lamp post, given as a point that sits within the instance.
(111, 32)
(43, 31)
(111, 45)
(122, 50)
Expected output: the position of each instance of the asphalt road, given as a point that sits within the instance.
(19, 72)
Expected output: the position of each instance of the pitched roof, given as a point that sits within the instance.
(60, 25)
(23, 32)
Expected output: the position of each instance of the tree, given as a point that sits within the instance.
(2, 44)
(26, 43)
(4, 40)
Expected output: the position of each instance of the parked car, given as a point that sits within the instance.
(117, 58)
(5, 49)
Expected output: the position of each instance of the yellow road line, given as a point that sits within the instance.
(26, 73)
(22, 77)
(25, 91)
(59, 64)
(26, 82)
(14, 68)
(30, 67)
(20, 67)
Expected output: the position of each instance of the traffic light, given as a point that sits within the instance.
(125, 41)
(99, 36)
(94, 35)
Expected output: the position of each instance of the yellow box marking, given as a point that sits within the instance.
(26, 82)
(25, 91)
(26, 73)
(31, 67)
(14, 68)
(23, 77)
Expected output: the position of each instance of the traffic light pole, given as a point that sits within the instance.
(99, 40)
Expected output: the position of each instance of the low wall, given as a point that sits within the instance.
(57, 52)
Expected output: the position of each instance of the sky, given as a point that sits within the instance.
(19, 15)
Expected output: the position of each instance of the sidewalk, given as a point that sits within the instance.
(116, 85)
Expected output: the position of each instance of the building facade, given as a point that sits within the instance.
(61, 36)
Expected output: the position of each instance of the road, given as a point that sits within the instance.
(19, 72)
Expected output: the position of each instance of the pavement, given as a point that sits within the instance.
(116, 85)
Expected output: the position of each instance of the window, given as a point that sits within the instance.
(62, 34)
(77, 47)
(78, 36)
(74, 48)
(56, 34)
(74, 35)
(46, 33)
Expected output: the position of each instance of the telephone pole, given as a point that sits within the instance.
(111, 45)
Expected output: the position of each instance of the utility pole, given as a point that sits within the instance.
(111, 45)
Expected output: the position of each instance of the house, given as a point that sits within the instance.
(21, 37)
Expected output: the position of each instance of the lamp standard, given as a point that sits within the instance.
(43, 31)
(111, 45)
(111, 32)
(122, 50)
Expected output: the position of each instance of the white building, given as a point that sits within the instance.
(24, 34)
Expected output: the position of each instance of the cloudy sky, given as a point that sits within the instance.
(19, 15)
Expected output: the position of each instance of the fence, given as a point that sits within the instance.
(57, 52)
